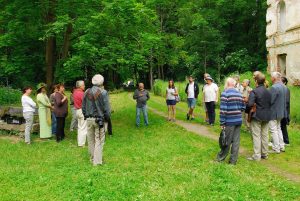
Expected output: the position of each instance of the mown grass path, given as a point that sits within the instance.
(161, 162)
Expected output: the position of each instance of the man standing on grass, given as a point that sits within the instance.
(260, 111)
(278, 112)
(96, 109)
(192, 91)
(231, 108)
(141, 96)
(78, 94)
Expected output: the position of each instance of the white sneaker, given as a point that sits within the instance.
(270, 144)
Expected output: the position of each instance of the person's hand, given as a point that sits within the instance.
(222, 127)
(141, 95)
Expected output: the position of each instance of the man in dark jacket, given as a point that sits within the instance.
(260, 98)
(278, 112)
(286, 120)
(141, 96)
(96, 108)
(192, 91)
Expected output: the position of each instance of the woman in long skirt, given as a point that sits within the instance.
(45, 107)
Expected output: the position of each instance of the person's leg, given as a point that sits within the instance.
(99, 143)
(28, 125)
(73, 121)
(256, 137)
(284, 131)
(63, 127)
(174, 111)
(280, 136)
(145, 114)
(138, 113)
(91, 136)
(264, 139)
(209, 111)
(169, 112)
(235, 145)
(53, 118)
(59, 126)
(224, 150)
(213, 115)
(82, 129)
(274, 131)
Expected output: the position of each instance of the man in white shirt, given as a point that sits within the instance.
(192, 91)
(210, 98)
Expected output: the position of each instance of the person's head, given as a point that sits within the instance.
(141, 86)
(246, 83)
(230, 83)
(206, 75)
(171, 84)
(255, 74)
(98, 80)
(275, 77)
(80, 85)
(41, 88)
(260, 79)
(284, 80)
(53, 89)
(27, 90)
(236, 78)
(60, 88)
(208, 80)
(191, 79)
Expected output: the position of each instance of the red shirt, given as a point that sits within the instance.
(78, 97)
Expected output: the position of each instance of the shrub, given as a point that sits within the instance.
(9, 96)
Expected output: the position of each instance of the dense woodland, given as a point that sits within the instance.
(143, 40)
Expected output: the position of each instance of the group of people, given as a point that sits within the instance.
(261, 110)
(90, 109)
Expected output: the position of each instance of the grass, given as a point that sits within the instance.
(159, 162)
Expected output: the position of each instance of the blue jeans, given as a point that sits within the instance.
(145, 114)
(53, 123)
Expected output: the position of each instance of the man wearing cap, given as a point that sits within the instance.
(210, 98)
(192, 91)
(78, 97)
(95, 109)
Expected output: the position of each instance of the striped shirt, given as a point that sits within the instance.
(231, 107)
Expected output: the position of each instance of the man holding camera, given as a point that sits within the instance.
(96, 109)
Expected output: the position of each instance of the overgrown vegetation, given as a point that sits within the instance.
(9, 96)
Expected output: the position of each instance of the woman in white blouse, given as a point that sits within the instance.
(29, 107)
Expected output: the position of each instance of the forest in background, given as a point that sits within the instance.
(64, 40)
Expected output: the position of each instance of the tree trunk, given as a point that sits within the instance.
(151, 71)
(66, 44)
(50, 46)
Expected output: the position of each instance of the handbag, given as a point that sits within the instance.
(177, 98)
(223, 139)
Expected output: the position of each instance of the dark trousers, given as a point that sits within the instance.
(233, 136)
(283, 124)
(60, 129)
(210, 106)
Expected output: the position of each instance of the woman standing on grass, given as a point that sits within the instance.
(53, 118)
(29, 108)
(44, 111)
(61, 111)
(171, 94)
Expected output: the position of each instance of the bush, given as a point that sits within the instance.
(9, 96)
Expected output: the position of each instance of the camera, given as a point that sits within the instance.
(99, 121)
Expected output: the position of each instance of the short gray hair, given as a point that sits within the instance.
(276, 75)
(79, 83)
(230, 81)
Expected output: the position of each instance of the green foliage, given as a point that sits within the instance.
(9, 96)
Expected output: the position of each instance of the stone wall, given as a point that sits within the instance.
(283, 37)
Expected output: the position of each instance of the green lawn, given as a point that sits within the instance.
(159, 162)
